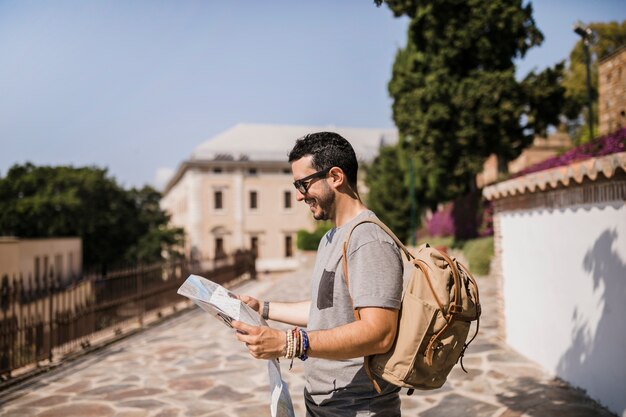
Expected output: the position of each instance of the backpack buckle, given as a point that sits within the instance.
(455, 308)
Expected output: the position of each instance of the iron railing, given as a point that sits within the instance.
(44, 319)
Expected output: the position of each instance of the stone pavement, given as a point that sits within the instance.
(192, 365)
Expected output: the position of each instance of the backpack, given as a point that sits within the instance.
(438, 304)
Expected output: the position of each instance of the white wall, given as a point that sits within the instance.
(564, 283)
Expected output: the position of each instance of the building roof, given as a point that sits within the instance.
(259, 142)
(608, 165)
(272, 143)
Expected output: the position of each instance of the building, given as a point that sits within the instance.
(39, 258)
(235, 191)
(612, 91)
(540, 150)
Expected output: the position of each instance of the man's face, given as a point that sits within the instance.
(319, 196)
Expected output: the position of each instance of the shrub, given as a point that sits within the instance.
(441, 223)
(310, 241)
(478, 253)
(467, 217)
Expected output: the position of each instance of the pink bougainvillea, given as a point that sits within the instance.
(441, 222)
(605, 145)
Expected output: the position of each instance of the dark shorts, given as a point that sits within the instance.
(346, 404)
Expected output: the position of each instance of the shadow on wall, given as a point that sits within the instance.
(595, 360)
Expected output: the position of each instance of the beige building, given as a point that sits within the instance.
(235, 191)
(612, 91)
(40, 257)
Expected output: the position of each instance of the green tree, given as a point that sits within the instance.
(455, 96)
(306, 240)
(156, 237)
(608, 38)
(388, 194)
(115, 225)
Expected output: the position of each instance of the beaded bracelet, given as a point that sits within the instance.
(298, 338)
(289, 345)
(296, 345)
(305, 345)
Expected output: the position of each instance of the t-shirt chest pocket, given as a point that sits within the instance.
(326, 290)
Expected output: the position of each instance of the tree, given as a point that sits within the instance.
(115, 225)
(455, 96)
(306, 240)
(156, 237)
(388, 194)
(608, 38)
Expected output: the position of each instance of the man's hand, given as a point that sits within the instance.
(252, 302)
(262, 342)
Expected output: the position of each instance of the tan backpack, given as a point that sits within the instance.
(438, 304)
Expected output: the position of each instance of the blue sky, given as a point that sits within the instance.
(135, 86)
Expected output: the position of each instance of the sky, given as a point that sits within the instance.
(135, 86)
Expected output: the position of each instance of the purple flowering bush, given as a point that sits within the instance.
(441, 223)
(467, 217)
(604, 145)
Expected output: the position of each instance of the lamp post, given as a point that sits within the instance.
(587, 36)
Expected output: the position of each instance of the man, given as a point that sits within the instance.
(324, 168)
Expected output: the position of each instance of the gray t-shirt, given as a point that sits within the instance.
(375, 276)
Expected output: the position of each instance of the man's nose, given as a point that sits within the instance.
(299, 196)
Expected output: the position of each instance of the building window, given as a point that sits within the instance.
(219, 204)
(254, 245)
(219, 248)
(217, 170)
(288, 246)
(252, 171)
(253, 200)
(287, 199)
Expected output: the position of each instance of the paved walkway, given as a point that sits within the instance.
(193, 366)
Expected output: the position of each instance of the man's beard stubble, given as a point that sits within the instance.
(325, 205)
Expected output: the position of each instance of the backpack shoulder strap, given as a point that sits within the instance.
(357, 316)
(387, 230)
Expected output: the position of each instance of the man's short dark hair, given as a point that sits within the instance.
(328, 149)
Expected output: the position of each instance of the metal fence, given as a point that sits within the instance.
(46, 319)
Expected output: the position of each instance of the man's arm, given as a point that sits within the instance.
(374, 333)
(291, 313)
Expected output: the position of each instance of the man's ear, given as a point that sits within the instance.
(337, 177)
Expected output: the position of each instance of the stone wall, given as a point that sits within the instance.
(612, 92)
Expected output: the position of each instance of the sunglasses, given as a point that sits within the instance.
(303, 184)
